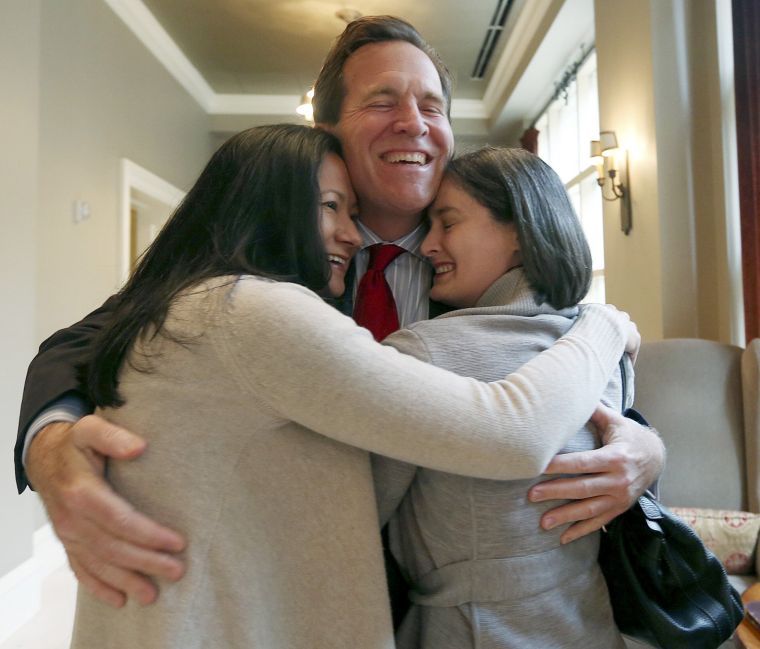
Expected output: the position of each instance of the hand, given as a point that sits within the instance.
(112, 549)
(633, 337)
(613, 476)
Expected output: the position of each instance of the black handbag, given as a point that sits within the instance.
(666, 587)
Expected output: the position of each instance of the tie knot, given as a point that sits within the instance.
(382, 254)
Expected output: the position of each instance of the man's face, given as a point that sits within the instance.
(394, 130)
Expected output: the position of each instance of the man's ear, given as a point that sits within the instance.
(329, 128)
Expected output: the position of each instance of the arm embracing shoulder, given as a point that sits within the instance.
(319, 369)
(53, 374)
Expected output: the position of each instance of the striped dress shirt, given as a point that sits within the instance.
(409, 276)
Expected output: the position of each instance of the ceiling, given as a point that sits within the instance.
(249, 61)
(276, 47)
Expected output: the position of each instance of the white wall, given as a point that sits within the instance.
(103, 97)
(633, 267)
(79, 93)
(19, 78)
(660, 90)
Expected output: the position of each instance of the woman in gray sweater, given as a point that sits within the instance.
(510, 254)
(260, 402)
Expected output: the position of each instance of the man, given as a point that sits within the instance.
(387, 96)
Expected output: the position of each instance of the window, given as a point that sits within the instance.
(565, 129)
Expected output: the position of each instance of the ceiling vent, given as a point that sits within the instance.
(491, 39)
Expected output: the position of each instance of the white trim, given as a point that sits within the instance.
(522, 36)
(21, 588)
(468, 109)
(725, 40)
(286, 105)
(138, 18)
(579, 178)
(135, 177)
(254, 105)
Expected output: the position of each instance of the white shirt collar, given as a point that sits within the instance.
(410, 242)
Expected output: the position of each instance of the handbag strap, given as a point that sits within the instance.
(623, 381)
(631, 413)
(648, 500)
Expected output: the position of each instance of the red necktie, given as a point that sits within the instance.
(375, 307)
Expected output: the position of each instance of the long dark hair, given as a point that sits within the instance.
(520, 188)
(253, 210)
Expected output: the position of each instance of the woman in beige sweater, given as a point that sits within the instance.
(260, 403)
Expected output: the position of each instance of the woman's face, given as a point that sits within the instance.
(468, 248)
(338, 209)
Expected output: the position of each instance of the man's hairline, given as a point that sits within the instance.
(446, 104)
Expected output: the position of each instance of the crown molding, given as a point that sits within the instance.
(138, 18)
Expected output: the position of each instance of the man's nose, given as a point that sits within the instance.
(410, 120)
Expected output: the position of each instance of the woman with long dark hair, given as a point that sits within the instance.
(510, 254)
(259, 402)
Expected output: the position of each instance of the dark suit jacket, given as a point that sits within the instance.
(53, 374)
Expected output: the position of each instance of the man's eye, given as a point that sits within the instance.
(448, 226)
(432, 110)
(330, 205)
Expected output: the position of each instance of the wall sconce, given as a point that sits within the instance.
(611, 163)
(305, 109)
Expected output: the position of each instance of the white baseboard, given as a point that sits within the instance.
(21, 588)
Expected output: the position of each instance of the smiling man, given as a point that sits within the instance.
(395, 133)
(387, 96)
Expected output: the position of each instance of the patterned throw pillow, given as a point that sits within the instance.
(732, 536)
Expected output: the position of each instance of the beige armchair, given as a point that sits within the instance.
(704, 397)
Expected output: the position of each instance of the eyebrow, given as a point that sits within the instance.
(388, 90)
(333, 191)
(383, 90)
(441, 211)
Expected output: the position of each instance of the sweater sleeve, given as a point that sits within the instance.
(316, 367)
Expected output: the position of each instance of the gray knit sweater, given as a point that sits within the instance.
(483, 573)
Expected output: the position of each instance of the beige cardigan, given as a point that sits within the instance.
(281, 520)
